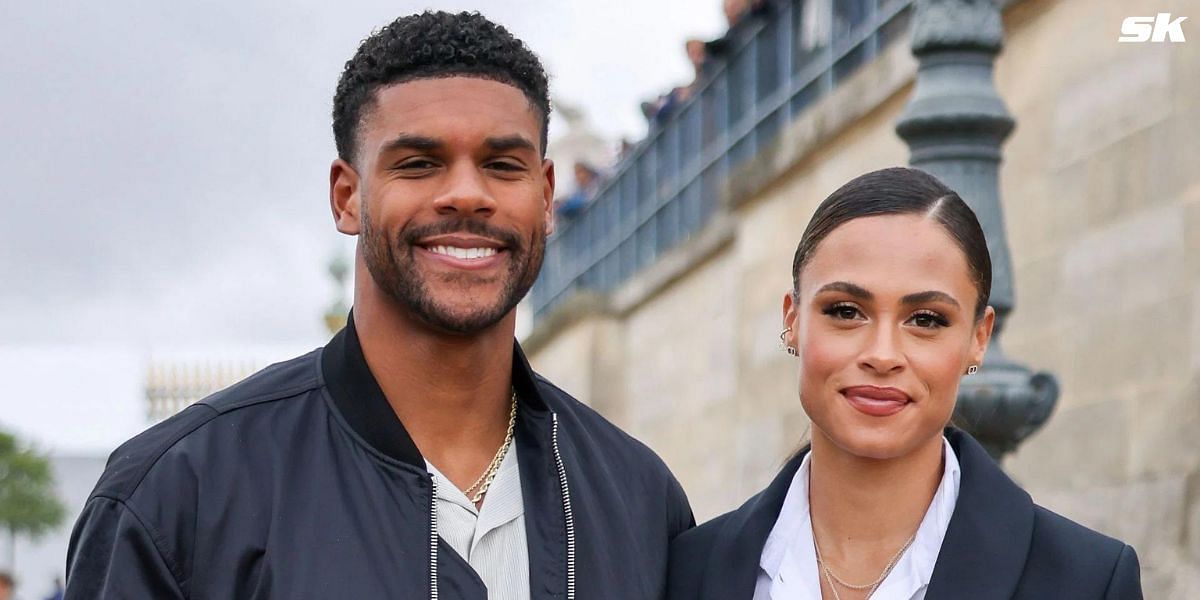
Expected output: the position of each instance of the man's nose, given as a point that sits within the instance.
(466, 192)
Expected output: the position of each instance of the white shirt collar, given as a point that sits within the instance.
(789, 562)
(788, 559)
(503, 502)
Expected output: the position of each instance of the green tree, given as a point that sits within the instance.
(28, 504)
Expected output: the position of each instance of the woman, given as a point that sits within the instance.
(888, 309)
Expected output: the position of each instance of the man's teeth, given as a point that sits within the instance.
(464, 253)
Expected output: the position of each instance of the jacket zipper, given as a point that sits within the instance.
(433, 542)
(568, 518)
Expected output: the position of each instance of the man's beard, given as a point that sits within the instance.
(394, 269)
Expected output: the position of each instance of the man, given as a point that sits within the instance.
(416, 455)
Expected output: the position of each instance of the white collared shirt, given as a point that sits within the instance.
(788, 567)
(492, 538)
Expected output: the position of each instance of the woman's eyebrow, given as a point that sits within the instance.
(862, 294)
(930, 296)
(847, 288)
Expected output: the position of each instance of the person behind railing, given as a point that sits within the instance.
(736, 16)
(701, 55)
(661, 109)
(669, 104)
(587, 181)
(702, 66)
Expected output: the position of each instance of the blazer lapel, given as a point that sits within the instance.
(732, 569)
(983, 554)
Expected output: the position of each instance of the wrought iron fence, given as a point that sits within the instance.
(774, 66)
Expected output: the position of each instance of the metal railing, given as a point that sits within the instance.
(775, 65)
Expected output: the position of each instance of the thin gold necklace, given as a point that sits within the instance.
(481, 485)
(832, 577)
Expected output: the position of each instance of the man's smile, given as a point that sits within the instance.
(463, 251)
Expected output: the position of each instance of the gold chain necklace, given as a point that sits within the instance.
(831, 577)
(481, 485)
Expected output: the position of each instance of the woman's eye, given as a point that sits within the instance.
(844, 312)
(929, 320)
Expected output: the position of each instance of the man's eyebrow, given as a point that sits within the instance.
(930, 296)
(848, 288)
(508, 143)
(407, 141)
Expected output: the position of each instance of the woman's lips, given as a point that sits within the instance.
(876, 401)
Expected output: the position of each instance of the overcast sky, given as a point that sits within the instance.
(165, 174)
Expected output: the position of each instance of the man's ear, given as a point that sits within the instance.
(548, 193)
(344, 197)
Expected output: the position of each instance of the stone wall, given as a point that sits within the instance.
(1102, 196)
(1101, 192)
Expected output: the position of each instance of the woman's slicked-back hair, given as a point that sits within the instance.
(901, 191)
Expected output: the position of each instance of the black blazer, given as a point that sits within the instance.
(999, 545)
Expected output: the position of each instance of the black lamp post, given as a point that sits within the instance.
(954, 126)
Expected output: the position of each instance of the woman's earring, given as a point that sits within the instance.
(973, 369)
(783, 341)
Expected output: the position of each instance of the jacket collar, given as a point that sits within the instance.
(357, 396)
(732, 568)
(984, 551)
(982, 555)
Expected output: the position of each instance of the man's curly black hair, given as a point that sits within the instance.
(434, 44)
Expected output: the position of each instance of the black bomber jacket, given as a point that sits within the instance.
(300, 482)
